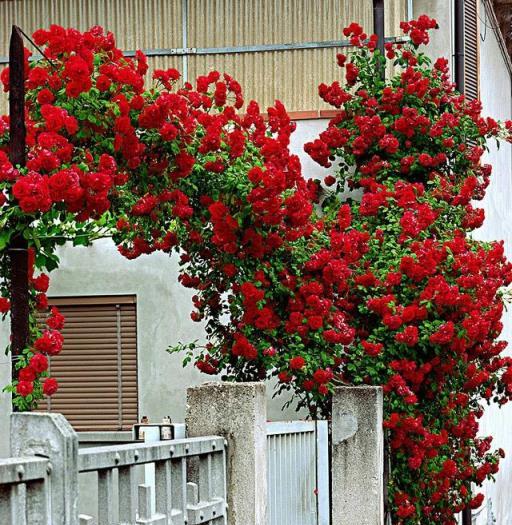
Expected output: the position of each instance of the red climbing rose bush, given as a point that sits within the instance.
(369, 278)
(76, 160)
(429, 296)
(175, 167)
(222, 189)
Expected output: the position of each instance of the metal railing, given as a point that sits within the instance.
(177, 500)
(188, 487)
(24, 490)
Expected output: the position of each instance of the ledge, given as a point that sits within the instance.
(125, 436)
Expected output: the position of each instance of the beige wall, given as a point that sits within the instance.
(290, 76)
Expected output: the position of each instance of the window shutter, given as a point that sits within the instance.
(471, 49)
(97, 368)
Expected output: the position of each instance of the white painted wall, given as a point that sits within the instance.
(496, 89)
(495, 86)
(441, 44)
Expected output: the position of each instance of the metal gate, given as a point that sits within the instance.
(298, 473)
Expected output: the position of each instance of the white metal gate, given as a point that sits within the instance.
(298, 473)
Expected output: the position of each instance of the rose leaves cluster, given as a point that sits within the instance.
(429, 297)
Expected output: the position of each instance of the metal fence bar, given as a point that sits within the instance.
(322, 472)
(229, 50)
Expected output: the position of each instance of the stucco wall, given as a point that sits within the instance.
(441, 44)
(495, 86)
(163, 309)
(496, 89)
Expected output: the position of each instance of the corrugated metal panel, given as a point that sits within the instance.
(136, 24)
(471, 49)
(291, 76)
(396, 12)
(97, 369)
(294, 451)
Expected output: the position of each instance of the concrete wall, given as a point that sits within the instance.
(163, 310)
(441, 44)
(495, 86)
(496, 89)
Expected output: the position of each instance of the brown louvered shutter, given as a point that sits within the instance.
(471, 49)
(97, 368)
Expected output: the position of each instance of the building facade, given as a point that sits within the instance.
(116, 372)
(124, 314)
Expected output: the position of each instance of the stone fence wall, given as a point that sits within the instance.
(217, 476)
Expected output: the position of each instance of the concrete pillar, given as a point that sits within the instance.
(357, 475)
(237, 411)
(5, 397)
(51, 436)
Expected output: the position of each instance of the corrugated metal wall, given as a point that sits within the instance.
(291, 76)
(294, 483)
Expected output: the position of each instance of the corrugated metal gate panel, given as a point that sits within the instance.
(298, 483)
(97, 368)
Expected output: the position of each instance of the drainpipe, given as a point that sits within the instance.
(378, 27)
(459, 82)
(410, 10)
(459, 44)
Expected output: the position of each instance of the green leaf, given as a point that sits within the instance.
(5, 237)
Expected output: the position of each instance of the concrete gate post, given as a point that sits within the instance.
(357, 476)
(237, 411)
(51, 436)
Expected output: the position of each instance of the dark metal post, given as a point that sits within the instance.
(18, 249)
(459, 44)
(459, 67)
(379, 28)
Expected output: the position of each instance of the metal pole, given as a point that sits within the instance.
(459, 44)
(18, 249)
(459, 59)
(467, 519)
(379, 27)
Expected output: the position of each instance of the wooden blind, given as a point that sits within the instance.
(97, 368)
(471, 49)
